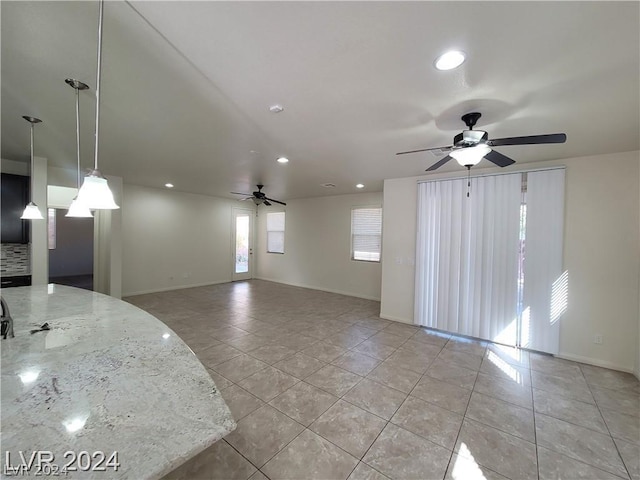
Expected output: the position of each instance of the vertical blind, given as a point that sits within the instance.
(468, 257)
(366, 233)
(275, 232)
(545, 285)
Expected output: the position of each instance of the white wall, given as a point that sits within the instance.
(318, 247)
(14, 167)
(601, 245)
(172, 239)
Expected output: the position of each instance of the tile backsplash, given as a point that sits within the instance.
(14, 259)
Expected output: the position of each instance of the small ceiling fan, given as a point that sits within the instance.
(471, 146)
(259, 197)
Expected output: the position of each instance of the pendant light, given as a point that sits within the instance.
(31, 211)
(78, 209)
(95, 192)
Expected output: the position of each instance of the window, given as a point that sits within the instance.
(366, 233)
(275, 232)
(51, 228)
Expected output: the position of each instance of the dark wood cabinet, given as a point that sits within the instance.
(16, 281)
(14, 197)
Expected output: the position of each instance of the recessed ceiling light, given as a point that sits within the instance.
(449, 60)
(168, 185)
(276, 108)
(359, 185)
(283, 160)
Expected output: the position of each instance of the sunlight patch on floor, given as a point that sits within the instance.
(466, 467)
(511, 372)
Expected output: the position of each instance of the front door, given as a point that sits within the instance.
(242, 244)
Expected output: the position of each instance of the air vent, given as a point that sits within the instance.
(438, 152)
(329, 185)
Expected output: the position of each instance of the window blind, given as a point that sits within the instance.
(275, 232)
(467, 256)
(490, 265)
(366, 234)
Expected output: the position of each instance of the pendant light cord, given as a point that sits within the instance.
(32, 166)
(98, 83)
(78, 131)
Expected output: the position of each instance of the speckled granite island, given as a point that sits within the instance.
(108, 377)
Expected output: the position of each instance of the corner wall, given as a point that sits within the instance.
(317, 247)
(601, 246)
(637, 366)
(174, 240)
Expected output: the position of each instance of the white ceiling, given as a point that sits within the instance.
(187, 86)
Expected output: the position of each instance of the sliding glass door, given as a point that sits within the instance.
(486, 265)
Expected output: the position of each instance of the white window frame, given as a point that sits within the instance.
(353, 253)
(284, 226)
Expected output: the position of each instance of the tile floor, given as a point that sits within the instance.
(322, 388)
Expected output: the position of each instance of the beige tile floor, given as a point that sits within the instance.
(322, 388)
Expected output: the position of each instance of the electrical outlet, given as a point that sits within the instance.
(597, 339)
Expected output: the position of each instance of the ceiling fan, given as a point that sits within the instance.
(471, 146)
(259, 197)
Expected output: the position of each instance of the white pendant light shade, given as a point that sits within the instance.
(78, 210)
(470, 156)
(32, 212)
(95, 193)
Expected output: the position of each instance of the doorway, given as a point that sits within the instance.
(70, 249)
(242, 244)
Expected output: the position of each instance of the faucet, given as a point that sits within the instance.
(7, 321)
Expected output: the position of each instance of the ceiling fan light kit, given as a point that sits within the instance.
(95, 192)
(31, 211)
(471, 156)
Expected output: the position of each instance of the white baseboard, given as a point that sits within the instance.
(596, 362)
(396, 319)
(173, 287)
(322, 289)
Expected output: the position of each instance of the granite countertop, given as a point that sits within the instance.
(108, 377)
